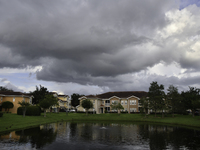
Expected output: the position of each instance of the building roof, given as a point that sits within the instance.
(14, 93)
(122, 94)
(62, 95)
(91, 96)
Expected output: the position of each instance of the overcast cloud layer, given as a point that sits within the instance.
(109, 44)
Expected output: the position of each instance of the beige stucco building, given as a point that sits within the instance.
(102, 102)
(64, 102)
(14, 97)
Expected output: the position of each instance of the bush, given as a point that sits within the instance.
(7, 105)
(124, 112)
(33, 111)
(113, 112)
(30, 111)
(89, 112)
(1, 114)
(134, 112)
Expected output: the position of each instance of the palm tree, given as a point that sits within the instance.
(24, 105)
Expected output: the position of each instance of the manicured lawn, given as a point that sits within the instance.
(13, 121)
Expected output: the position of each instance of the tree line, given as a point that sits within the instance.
(157, 100)
(41, 97)
(172, 101)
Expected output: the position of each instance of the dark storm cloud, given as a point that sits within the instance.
(84, 41)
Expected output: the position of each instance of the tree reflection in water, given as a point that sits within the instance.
(166, 137)
(76, 135)
(36, 136)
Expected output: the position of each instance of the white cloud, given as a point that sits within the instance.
(28, 69)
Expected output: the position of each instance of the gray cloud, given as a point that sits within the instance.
(95, 42)
(3, 80)
(13, 87)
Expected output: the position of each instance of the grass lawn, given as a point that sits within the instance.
(11, 122)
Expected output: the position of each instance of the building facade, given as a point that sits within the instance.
(102, 102)
(14, 97)
(64, 103)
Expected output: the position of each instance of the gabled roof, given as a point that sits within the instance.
(91, 96)
(122, 94)
(88, 96)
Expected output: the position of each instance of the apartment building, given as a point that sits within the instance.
(102, 102)
(64, 102)
(14, 97)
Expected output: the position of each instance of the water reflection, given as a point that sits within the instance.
(38, 136)
(74, 135)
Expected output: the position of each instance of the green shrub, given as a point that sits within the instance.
(33, 111)
(7, 105)
(1, 114)
(30, 111)
(124, 112)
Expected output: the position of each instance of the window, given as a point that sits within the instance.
(93, 101)
(107, 109)
(133, 102)
(30, 100)
(1, 98)
(23, 99)
(125, 102)
(108, 101)
(13, 99)
(122, 102)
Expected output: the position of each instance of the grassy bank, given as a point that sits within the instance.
(11, 122)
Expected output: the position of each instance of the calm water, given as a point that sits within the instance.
(94, 136)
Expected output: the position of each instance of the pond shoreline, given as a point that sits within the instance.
(11, 122)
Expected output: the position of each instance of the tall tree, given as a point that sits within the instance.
(156, 97)
(173, 99)
(39, 94)
(4, 89)
(87, 104)
(192, 99)
(144, 103)
(75, 99)
(24, 105)
(47, 102)
(117, 106)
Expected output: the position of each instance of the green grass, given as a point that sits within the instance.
(11, 122)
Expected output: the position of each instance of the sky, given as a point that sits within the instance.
(93, 46)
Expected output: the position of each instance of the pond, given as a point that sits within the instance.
(96, 136)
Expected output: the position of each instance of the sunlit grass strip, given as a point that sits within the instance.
(14, 122)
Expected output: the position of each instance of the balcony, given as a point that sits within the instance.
(107, 104)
